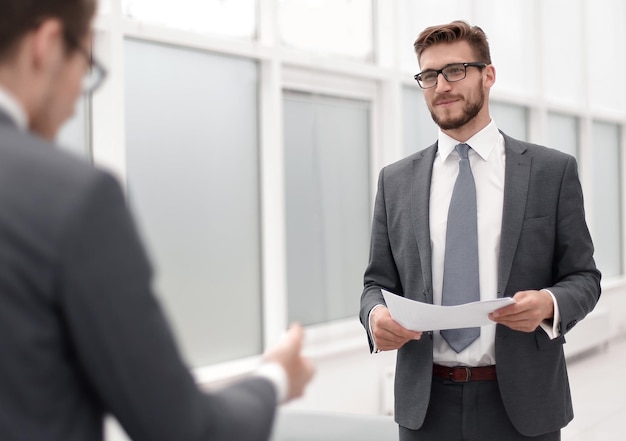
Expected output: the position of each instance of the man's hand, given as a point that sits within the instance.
(299, 370)
(530, 309)
(388, 334)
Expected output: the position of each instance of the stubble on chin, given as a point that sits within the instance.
(470, 110)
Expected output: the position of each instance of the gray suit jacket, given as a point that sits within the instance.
(81, 333)
(545, 243)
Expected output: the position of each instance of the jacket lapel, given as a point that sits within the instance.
(516, 181)
(420, 198)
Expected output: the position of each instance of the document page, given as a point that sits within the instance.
(419, 316)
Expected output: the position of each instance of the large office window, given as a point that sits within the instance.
(179, 121)
(607, 207)
(563, 133)
(327, 204)
(341, 27)
(192, 159)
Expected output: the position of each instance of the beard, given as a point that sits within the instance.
(470, 111)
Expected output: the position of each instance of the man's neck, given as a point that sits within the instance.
(462, 134)
(472, 127)
(13, 108)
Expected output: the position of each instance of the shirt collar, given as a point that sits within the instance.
(482, 142)
(13, 109)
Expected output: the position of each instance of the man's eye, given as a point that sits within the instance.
(454, 70)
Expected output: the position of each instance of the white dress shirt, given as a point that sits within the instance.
(487, 160)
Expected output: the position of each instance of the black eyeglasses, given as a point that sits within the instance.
(95, 75)
(451, 72)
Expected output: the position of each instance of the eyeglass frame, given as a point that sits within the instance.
(92, 62)
(480, 65)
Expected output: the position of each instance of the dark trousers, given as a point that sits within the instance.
(470, 411)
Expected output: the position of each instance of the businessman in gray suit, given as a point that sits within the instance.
(529, 241)
(81, 333)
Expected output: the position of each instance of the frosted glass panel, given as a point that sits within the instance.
(561, 50)
(328, 205)
(191, 138)
(511, 119)
(235, 18)
(342, 27)
(563, 133)
(607, 234)
(73, 135)
(419, 130)
(606, 45)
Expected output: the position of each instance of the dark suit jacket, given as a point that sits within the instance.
(81, 333)
(545, 243)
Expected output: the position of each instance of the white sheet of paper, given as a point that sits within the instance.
(419, 316)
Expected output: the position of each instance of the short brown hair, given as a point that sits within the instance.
(17, 17)
(457, 30)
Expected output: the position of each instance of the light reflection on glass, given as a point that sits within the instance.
(232, 18)
(342, 27)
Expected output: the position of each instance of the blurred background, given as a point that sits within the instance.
(249, 135)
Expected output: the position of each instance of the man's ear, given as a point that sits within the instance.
(490, 76)
(48, 46)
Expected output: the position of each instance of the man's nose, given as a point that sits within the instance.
(442, 82)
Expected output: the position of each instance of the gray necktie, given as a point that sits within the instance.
(460, 270)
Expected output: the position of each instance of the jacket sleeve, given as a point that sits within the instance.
(121, 339)
(577, 289)
(381, 271)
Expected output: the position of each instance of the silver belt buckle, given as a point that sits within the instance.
(468, 374)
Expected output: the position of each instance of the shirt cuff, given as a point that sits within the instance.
(369, 328)
(551, 327)
(276, 375)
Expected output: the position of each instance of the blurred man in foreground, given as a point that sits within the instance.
(81, 333)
